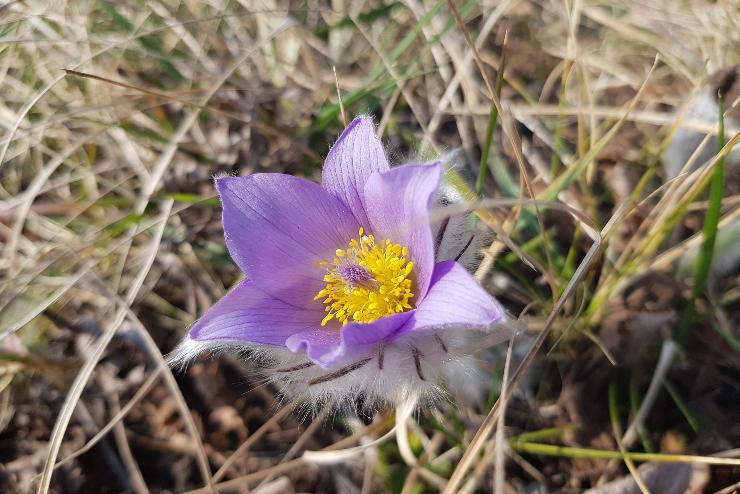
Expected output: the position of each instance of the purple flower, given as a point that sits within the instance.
(342, 274)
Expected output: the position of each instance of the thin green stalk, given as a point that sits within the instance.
(613, 407)
(569, 267)
(731, 339)
(617, 430)
(545, 433)
(647, 444)
(329, 113)
(682, 407)
(711, 222)
(600, 454)
(557, 140)
(492, 121)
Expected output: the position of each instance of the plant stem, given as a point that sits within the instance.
(492, 120)
(600, 454)
(709, 231)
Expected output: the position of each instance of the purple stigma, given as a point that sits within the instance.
(354, 274)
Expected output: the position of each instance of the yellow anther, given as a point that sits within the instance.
(367, 281)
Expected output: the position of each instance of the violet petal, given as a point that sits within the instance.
(357, 154)
(397, 203)
(455, 300)
(278, 227)
(353, 340)
(247, 313)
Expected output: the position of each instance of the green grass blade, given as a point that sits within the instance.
(709, 232)
(647, 444)
(688, 415)
(492, 120)
(711, 221)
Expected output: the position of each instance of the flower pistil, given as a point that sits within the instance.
(367, 281)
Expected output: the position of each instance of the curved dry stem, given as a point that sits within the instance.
(73, 395)
(120, 415)
(489, 423)
(253, 438)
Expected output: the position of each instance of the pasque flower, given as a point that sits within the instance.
(344, 294)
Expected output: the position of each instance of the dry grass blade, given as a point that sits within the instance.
(73, 280)
(317, 422)
(23, 113)
(499, 472)
(245, 480)
(655, 118)
(339, 97)
(489, 423)
(138, 484)
(617, 431)
(730, 489)
(514, 140)
(253, 438)
(171, 382)
(117, 417)
(73, 395)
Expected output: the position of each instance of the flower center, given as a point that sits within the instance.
(366, 281)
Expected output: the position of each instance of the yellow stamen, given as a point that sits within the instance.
(367, 281)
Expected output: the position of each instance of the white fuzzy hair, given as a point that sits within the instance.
(455, 236)
(419, 366)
